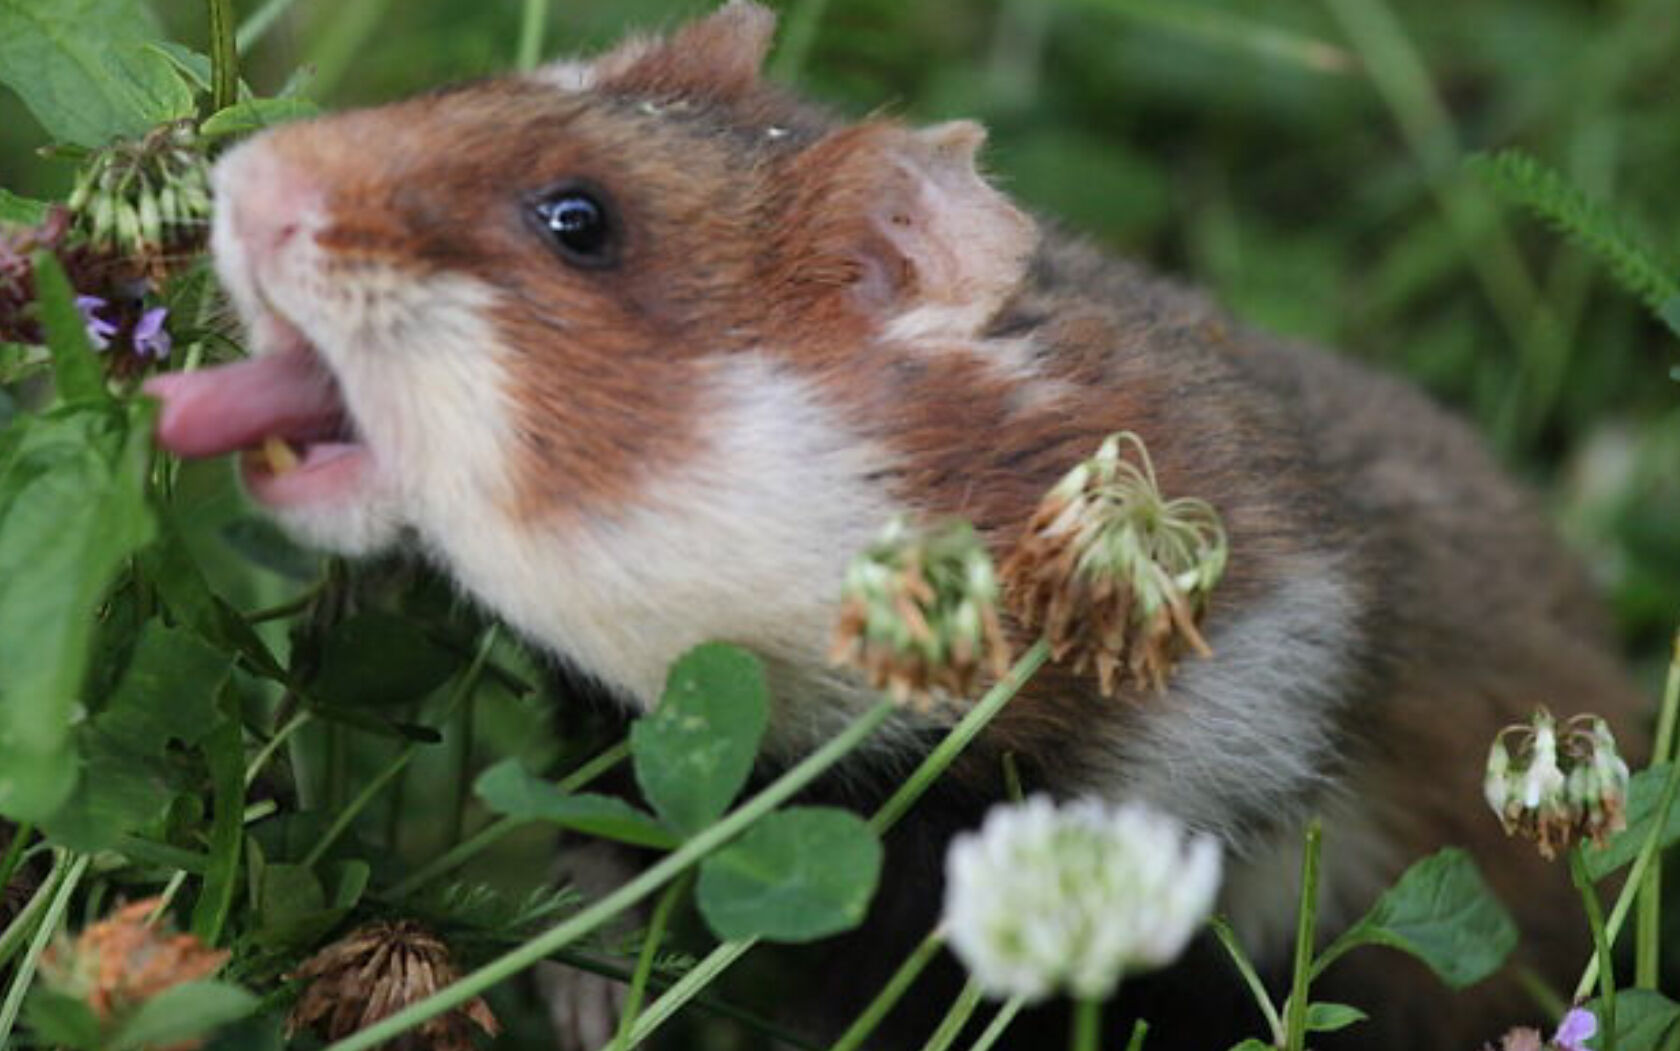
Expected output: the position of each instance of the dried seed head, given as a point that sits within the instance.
(377, 970)
(918, 613)
(146, 199)
(1558, 784)
(1116, 576)
(119, 963)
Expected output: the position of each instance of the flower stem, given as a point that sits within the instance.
(1140, 1029)
(962, 1009)
(896, 986)
(224, 56)
(896, 806)
(531, 32)
(1228, 938)
(960, 736)
(1648, 853)
(1648, 928)
(25, 972)
(272, 745)
(1295, 1011)
(644, 960)
(481, 840)
(1087, 1021)
(597, 915)
(1601, 944)
(15, 933)
(999, 1023)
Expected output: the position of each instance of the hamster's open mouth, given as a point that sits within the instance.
(282, 410)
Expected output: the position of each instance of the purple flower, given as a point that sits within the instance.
(151, 339)
(99, 331)
(1577, 1027)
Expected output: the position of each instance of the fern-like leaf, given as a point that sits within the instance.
(1526, 181)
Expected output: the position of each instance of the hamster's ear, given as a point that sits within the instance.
(716, 57)
(903, 219)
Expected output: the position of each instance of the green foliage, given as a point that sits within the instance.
(1327, 1018)
(696, 749)
(798, 875)
(86, 68)
(1644, 795)
(1645, 1019)
(1442, 912)
(1544, 191)
(507, 789)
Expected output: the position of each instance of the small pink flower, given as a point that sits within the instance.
(151, 339)
(99, 330)
(1577, 1027)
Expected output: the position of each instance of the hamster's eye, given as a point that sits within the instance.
(576, 219)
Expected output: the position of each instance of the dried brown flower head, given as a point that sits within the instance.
(377, 970)
(1116, 576)
(119, 963)
(1559, 783)
(918, 613)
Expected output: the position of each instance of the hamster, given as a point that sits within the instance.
(641, 348)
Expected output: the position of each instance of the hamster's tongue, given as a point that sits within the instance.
(283, 408)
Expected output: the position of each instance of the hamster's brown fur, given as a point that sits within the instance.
(809, 324)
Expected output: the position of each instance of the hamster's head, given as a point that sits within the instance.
(547, 304)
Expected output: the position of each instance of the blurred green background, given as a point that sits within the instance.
(1301, 158)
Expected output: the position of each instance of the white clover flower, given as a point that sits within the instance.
(1045, 899)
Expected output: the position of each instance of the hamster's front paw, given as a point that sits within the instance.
(583, 1008)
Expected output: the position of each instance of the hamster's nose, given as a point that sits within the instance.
(269, 201)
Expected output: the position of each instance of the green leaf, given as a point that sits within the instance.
(182, 1012)
(194, 68)
(1670, 313)
(376, 659)
(1442, 912)
(60, 1019)
(263, 542)
(20, 211)
(800, 874)
(170, 567)
(85, 71)
(695, 751)
(224, 751)
(72, 510)
(122, 791)
(1644, 793)
(508, 789)
(293, 909)
(168, 691)
(78, 372)
(1252, 1044)
(251, 115)
(1644, 1020)
(1327, 1018)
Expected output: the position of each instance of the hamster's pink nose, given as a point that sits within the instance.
(272, 201)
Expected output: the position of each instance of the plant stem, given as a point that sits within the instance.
(356, 806)
(891, 811)
(259, 23)
(896, 986)
(962, 1009)
(592, 918)
(25, 972)
(16, 932)
(1601, 944)
(959, 737)
(1648, 928)
(531, 32)
(689, 986)
(272, 745)
(1636, 875)
(461, 853)
(1295, 1011)
(644, 960)
(1087, 1023)
(1228, 938)
(1140, 1029)
(224, 56)
(999, 1023)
